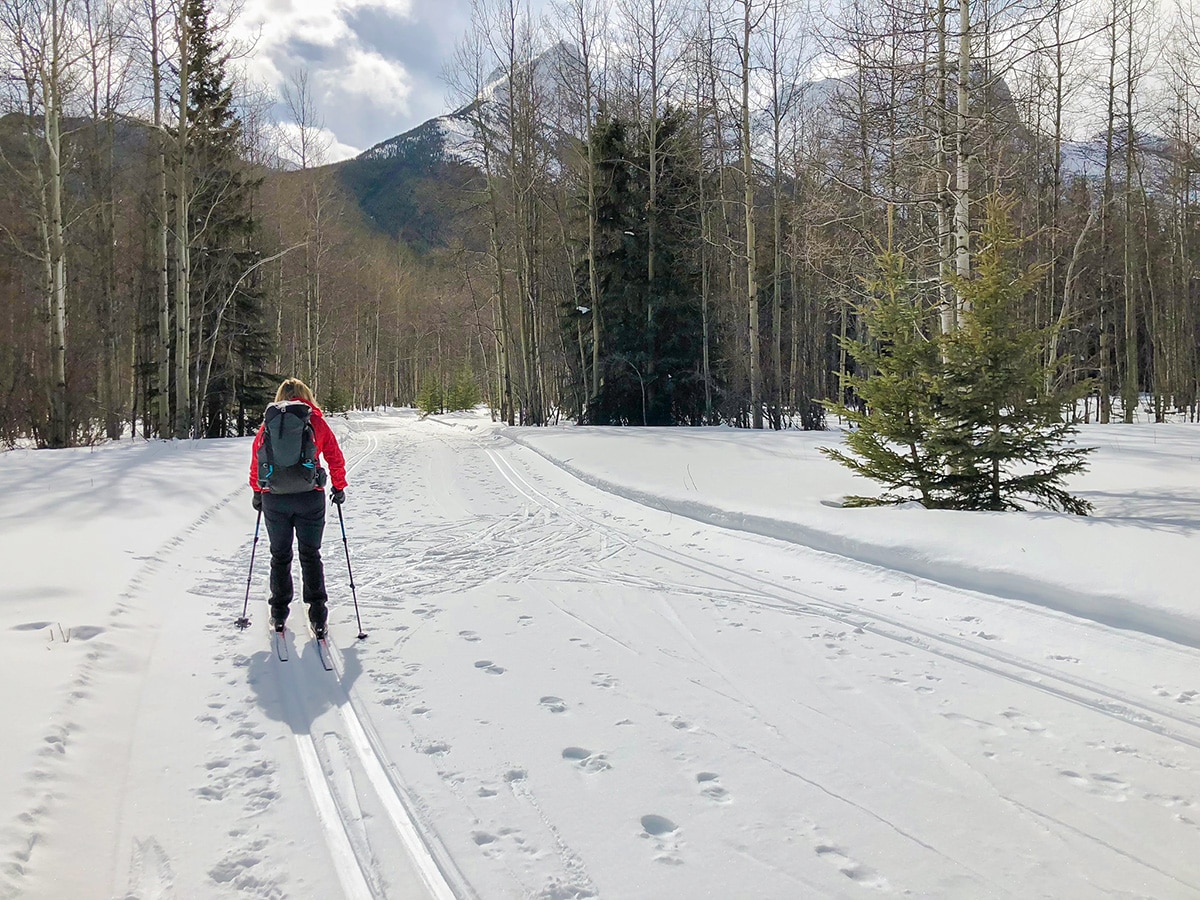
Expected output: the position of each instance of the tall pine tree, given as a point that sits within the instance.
(651, 338)
(229, 327)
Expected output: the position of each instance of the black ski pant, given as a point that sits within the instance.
(301, 516)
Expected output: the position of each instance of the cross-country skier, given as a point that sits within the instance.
(289, 490)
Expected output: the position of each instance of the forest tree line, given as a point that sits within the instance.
(169, 252)
(677, 209)
(686, 201)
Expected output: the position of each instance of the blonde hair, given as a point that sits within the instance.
(295, 389)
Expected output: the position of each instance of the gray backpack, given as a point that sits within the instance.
(287, 459)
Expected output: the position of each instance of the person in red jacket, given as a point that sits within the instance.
(299, 514)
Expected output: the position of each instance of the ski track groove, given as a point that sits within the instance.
(376, 765)
(338, 821)
(333, 819)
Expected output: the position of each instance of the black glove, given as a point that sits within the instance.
(337, 496)
(256, 501)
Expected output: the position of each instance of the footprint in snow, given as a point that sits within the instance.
(32, 626)
(553, 704)
(677, 722)
(490, 667)
(986, 727)
(586, 760)
(710, 787)
(1023, 722)
(851, 868)
(150, 873)
(664, 834)
(1109, 787)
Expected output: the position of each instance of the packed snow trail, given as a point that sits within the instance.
(568, 694)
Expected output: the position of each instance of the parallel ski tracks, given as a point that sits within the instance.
(762, 592)
(358, 734)
(353, 861)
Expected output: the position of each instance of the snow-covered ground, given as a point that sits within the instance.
(601, 663)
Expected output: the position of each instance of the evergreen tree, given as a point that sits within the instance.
(897, 371)
(231, 332)
(651, 340)
(1002, 431)
(430, 398)
(964, 421)
(464, 391)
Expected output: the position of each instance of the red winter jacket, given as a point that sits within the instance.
(327, 448)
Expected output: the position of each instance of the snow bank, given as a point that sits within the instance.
(1131, 565)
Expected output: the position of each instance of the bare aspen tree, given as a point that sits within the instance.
(783, 61)
(468, 80)
(183, 309)
(512, 40)
(750, 15)
(307, 146)
(962, 152)
(107, 61)
(156, 16)
(701, 50)
(584, 23)
(1135, 16)
(43, 46)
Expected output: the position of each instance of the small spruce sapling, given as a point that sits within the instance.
(897, 365)
(1002, 432)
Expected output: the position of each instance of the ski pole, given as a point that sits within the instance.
(244, 622)
(361, 634)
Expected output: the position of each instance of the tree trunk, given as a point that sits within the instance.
(183, 359)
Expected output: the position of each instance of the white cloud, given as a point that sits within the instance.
(384, 82)
(354, 86)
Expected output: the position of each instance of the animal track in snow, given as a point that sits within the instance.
(1170, 801)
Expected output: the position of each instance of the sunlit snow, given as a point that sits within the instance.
(619, 663)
